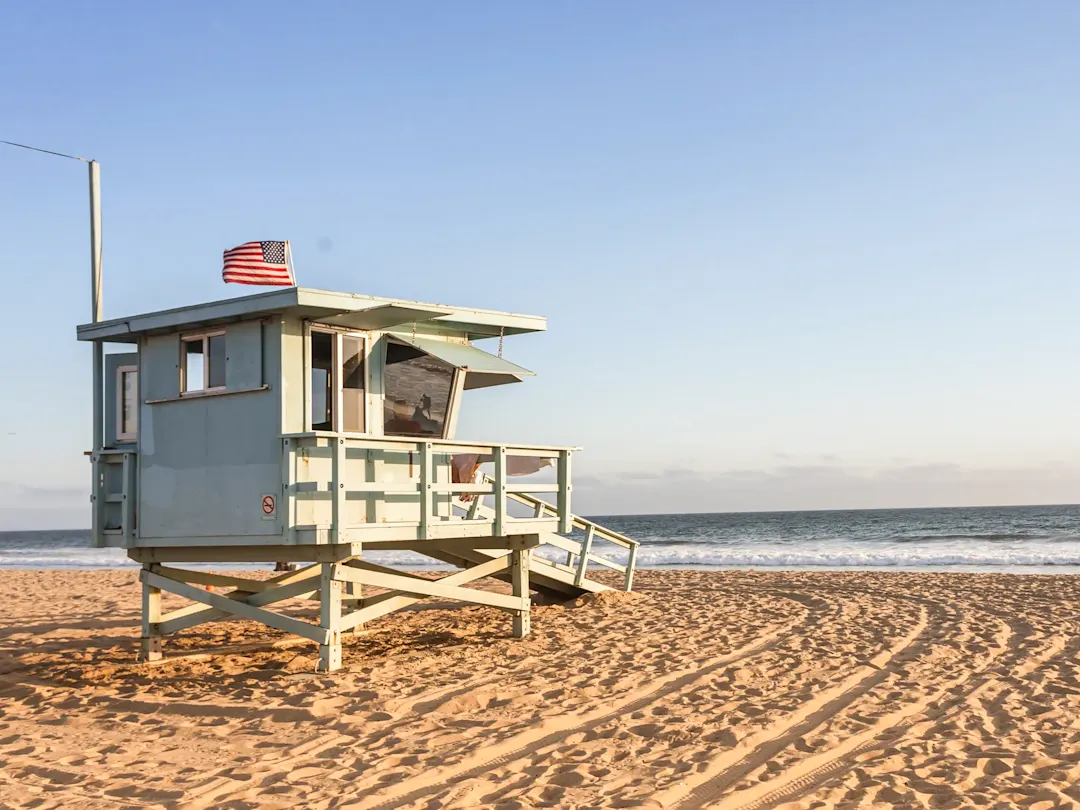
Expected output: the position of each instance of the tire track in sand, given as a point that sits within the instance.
(813, 772)
(219, 788)
(554, 729)
(725, 769)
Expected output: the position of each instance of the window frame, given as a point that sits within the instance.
(337, 415)
(204, 337)
(121, 436)
(457, 382)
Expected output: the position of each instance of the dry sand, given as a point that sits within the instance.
(720, 690)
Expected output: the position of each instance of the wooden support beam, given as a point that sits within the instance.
(519, 570)
(218, 580)
(330, 618)
(243, 585)
(364, 565)
(418, 586)
(241, 553)
(384, 603)
(151, 616)
(238, 608)
(197, 614)
(420, 546)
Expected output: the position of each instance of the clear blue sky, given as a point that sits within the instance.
(793, 255)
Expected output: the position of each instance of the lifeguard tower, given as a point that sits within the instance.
(315, 427)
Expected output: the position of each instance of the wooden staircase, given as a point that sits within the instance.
(554, 580)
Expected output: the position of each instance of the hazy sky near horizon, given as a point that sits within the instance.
(792, 255)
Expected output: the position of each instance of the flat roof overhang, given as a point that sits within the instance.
(482, 369)
(362, 312)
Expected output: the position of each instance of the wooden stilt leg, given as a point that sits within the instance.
(330, 600)
(519, 570)
(151, 617)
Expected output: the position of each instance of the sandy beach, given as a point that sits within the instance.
(720, 690)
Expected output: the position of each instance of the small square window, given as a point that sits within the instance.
(202, 363)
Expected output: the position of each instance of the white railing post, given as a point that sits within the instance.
(337, 520)
(583, 560)
(288, 491)
(426, 480)
(631, 561)
(476, 505)
(97, 501)
(127, 494)
(566, 520)
(498, 456)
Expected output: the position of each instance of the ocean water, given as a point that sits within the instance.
(1036, 539)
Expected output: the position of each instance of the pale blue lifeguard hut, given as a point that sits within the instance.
(314, 427)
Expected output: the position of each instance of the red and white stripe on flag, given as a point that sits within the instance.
(266, 263)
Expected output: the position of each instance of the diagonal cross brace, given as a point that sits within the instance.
(426, 587)
(244, 610)
(410, 591)
(282, 587)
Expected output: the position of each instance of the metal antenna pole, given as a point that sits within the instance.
(95, 240)
(99, 346)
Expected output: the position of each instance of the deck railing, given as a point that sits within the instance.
(340, 482)
(579, 554)
(113, 497)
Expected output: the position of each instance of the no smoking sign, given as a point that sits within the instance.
(269, 507)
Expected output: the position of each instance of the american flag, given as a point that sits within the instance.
(259, 263)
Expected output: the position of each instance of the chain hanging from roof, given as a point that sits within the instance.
(502, 331)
